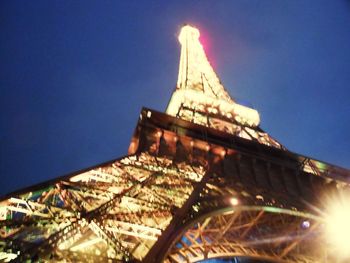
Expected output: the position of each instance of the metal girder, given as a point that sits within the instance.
(227, 125)
(237, 232)
(136, 230)
(145, 197)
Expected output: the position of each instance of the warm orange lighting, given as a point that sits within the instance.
(234, 201)
(223, 153)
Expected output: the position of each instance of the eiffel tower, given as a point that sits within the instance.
(201, 181)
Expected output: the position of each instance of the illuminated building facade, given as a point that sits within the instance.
(201, 181)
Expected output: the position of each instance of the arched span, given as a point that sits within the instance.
(259, 232)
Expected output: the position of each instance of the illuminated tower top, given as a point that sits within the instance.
(195, 71)
(199, 92)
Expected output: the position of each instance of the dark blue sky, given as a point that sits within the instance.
(75, 74)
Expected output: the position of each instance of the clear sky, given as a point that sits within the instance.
(75, 74)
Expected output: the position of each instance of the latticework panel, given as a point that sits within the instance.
(253, 232)
(208, 117)
(112, 212)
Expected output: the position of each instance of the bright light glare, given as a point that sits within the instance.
(338, 225)
(305, 224)
(234, 201)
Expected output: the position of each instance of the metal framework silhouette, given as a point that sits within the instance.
(200, 181)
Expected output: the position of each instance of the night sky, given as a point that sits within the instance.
(75, 74)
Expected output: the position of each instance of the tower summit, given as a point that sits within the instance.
(200, 97)
(199, 91)
(200, 181)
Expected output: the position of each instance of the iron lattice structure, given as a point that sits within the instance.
(200, 181)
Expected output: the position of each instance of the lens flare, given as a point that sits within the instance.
(234, 201)
(337, 225)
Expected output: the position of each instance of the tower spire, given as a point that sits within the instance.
(199, 92)
(195, 71)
